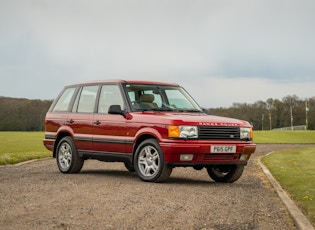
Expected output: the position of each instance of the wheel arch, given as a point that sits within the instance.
(139, 140)
(144, 134)
(60, 135)
(149, 162)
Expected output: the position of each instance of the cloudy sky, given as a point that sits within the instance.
(220, 51)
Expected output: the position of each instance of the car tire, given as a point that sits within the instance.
(68, 160)
(225, 173)
(129, 167)
(149, 162)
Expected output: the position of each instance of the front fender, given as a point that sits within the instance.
(149, 131)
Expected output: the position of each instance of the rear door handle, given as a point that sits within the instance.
(96, 122)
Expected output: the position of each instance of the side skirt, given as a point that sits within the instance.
(106, 156)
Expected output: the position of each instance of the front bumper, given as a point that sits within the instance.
(201, 153)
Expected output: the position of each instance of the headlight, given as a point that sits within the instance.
(184, 131)
(246, 133)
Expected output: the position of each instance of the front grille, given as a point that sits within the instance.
(219, 133)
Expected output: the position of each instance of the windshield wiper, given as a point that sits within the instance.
(142, 110)
(194, 110)
(162, 109)
(189, 110)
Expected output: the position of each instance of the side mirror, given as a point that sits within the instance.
(116, 109)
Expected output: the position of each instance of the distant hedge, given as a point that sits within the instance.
(273, 113)
(19, 114)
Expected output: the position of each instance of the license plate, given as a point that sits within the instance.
(223, 149)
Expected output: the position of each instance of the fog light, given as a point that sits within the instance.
(186, 157)
(244, 157)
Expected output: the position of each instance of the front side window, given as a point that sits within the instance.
(110, 95)
(64, 100)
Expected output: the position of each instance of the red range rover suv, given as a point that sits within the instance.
(151, 127)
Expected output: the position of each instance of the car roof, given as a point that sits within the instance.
(120, 81)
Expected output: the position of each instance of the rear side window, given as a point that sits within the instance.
(64, 100)
(87, 99)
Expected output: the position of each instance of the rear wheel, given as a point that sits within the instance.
(149, 162)
(225, 173)
(129, 166)
(68, 160)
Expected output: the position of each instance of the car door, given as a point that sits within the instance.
(109, 131)
(80, 120)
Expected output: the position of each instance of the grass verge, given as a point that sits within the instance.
(16, 147)
(294, 170)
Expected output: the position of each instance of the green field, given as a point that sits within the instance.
(17, 147)
(284, 137)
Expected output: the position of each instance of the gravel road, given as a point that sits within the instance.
(106, 196)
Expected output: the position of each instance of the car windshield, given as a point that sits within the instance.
(160, 98)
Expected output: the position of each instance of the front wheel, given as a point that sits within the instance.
(68, 160)
(149, 162)
(225, 173)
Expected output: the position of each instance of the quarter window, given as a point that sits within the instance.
(64, 100)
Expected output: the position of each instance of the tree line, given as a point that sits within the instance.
(273, 113)
(18, 114)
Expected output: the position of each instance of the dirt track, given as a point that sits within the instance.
(106, 196)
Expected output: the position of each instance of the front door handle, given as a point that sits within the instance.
(70, 121)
